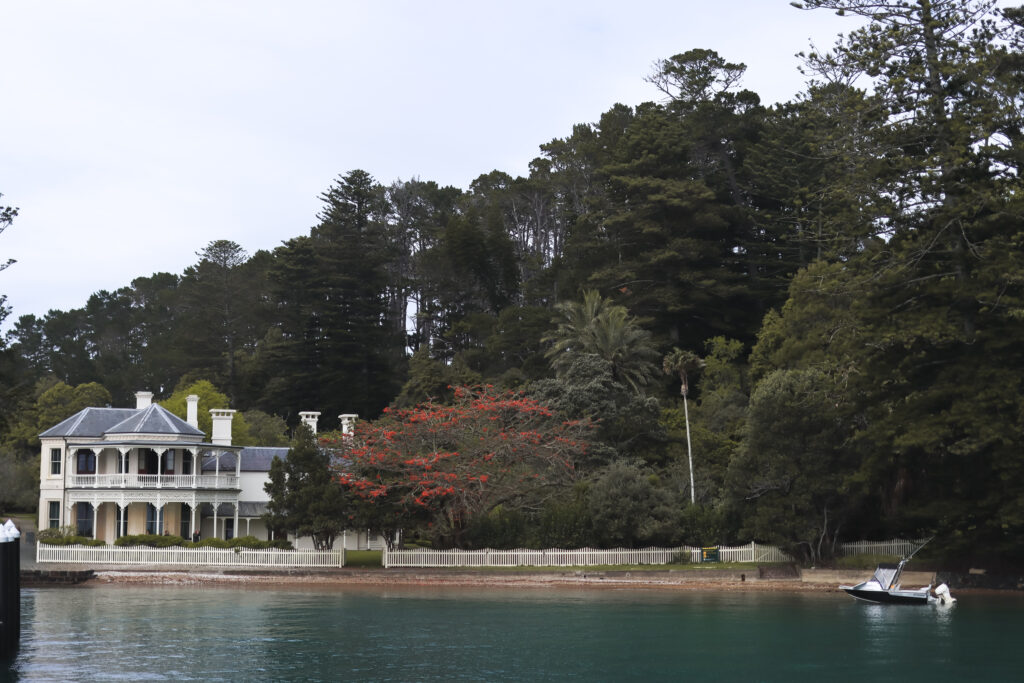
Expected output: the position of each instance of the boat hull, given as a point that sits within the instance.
(893, 597)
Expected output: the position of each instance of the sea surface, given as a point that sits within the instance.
(149, 633)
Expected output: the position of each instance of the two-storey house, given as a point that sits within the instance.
(111, 472)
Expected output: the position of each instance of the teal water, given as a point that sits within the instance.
(412, 634)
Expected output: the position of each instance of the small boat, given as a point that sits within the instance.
(884, 587)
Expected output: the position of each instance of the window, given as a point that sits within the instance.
(186, 463)
(147, 461)
(152, 523)
(229, 529)
(169, 462)
(55, 459)
(54, 516)
(86, 462)
(84, 514)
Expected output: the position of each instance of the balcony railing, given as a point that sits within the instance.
(154, 481)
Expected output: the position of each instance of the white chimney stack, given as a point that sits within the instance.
(192, 410)
(310, 418)
(221, 435)
(348, 422)
(143, 399)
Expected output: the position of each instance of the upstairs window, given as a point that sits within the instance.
(55, 460)
(147, 461)
(86, 462)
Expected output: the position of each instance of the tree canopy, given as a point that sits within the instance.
(848, 265)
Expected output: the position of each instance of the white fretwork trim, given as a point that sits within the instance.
(157, 498)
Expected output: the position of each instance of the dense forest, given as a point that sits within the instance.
(821, 302)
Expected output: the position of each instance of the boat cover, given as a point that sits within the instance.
(886, 575)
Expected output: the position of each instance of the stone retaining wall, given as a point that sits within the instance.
(54, 577)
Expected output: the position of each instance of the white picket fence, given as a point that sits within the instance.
(580, 557)
(896, 546)
(430, 558)
(192, 557)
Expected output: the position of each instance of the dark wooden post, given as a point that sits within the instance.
(10, 590)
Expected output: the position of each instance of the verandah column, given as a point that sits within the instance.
(159, 512)
(122, 462)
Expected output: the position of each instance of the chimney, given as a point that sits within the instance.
(309, 418)
(192, 410)
(221, 435)
(143, 399)
(348, 421)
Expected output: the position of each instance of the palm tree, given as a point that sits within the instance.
(682, 363)
(599, 327)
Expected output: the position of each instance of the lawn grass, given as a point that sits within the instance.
(363, 559)
(620, 567)
(864, 561)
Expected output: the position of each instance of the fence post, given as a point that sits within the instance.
(10, 590)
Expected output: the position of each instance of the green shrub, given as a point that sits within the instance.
(150, 540)
(72, 540)
(250, 542)
(66, 535)
(46, 535)
(681, 558)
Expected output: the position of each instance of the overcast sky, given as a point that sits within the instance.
(134, 133)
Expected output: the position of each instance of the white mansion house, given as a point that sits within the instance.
(112, 472)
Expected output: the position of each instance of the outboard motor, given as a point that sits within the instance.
(943, 596)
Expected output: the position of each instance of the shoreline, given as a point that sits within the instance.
(710, 580)
(674, 581)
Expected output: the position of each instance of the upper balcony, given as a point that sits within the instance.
(154, 481)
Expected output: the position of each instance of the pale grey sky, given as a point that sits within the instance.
(136, 132)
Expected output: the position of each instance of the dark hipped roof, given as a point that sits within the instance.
(254, 459)
(258, 458)
(98, 422)
(90, 422)
(154, 419)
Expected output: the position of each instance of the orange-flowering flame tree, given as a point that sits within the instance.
(446, 464)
